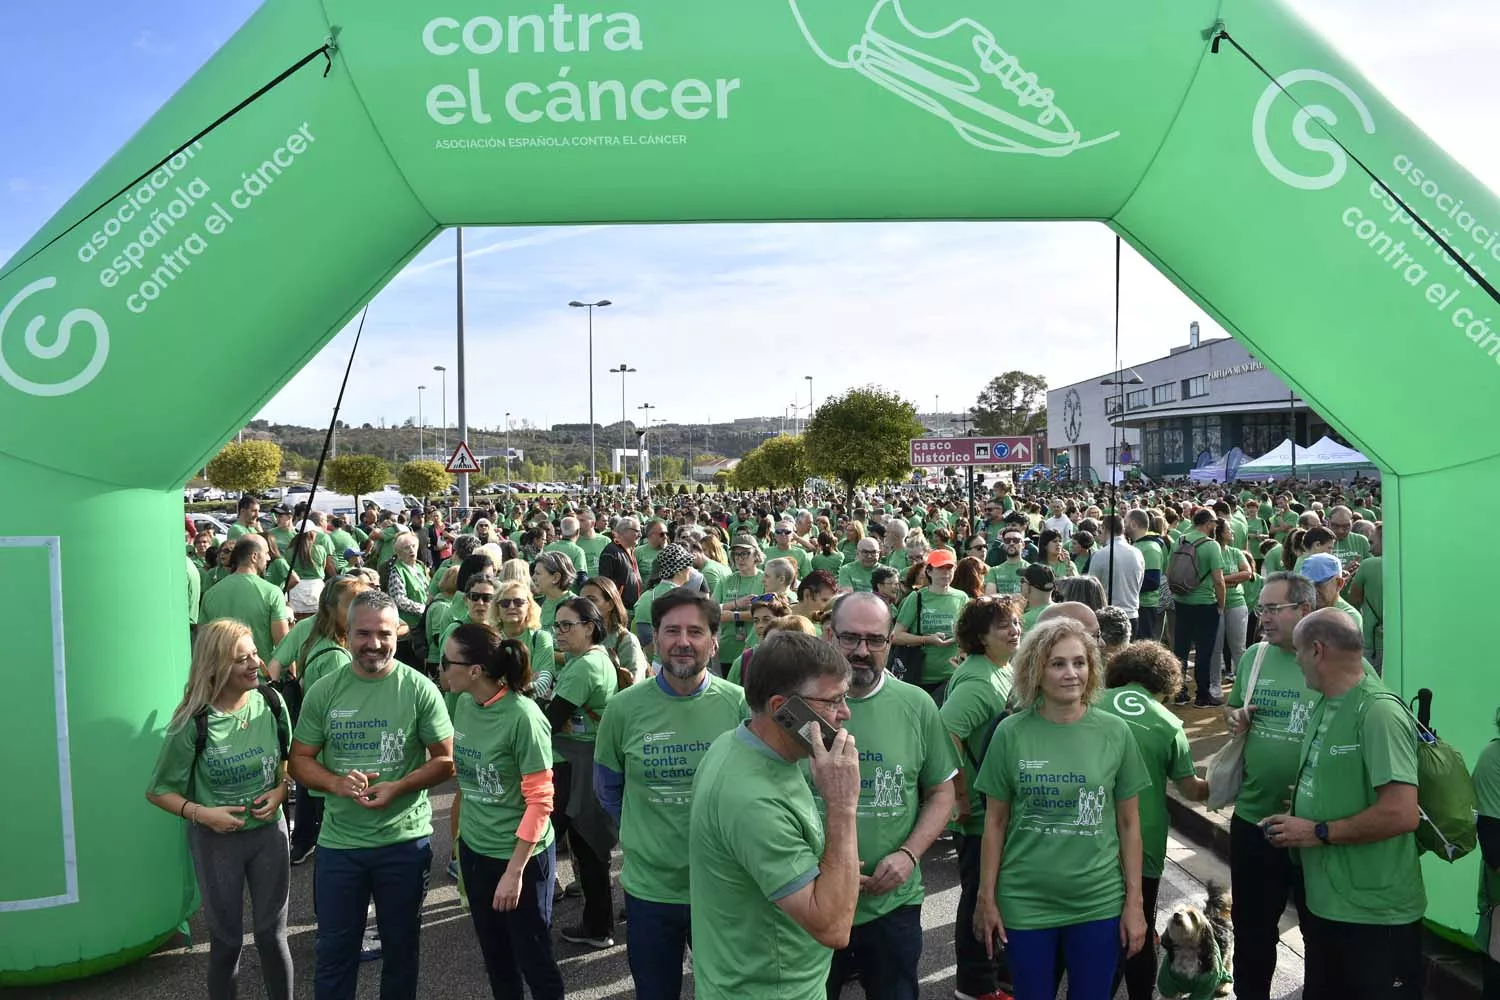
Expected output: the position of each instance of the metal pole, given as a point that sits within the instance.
(421, 451)
(809, 401)
(593, 454)
(1291, 402)
(463, 413)
(507, 448)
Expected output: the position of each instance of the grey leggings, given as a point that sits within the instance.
(225, 862)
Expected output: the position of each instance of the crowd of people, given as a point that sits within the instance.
(773, 710)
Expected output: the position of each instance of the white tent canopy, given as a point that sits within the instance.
(1323, 460)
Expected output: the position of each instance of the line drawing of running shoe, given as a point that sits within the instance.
(955, 92)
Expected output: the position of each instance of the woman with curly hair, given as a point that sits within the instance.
(1060, 762)
(1138, 680)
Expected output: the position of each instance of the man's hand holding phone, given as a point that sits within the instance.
(835, 771)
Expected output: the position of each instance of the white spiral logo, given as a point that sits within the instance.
(1338, 161)
(47, 350)
(1130, 703)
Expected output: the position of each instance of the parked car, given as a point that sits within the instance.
(201, 521)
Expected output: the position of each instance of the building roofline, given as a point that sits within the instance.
(1124, 367)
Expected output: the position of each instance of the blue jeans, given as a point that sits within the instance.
(659, 935)
(518, 942)
(396, 875)
(885, 952)
(1090, 951)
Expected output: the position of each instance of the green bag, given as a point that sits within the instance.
(1445, 796)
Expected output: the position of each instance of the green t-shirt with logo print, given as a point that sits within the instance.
(1282, 703)
(494, 747)
(732, 639)
(1164, 749)
(976, 695)
(904, 750)
(384, 725)
(239, 764)
(939, 614)
(1355, 744)
(657, 740)
(1006, 578)
(1061, 863)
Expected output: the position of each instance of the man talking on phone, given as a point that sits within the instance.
(906, 795)
(774, 884)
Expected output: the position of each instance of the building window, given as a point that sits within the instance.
(1171, 446)
(1139, 399)
(1260, 432)
(1192, 388)
(1207, 435)
(1164, 393)
(1111, 405)
(1151, 446)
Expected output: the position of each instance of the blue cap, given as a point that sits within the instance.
(1321, 567)
(352, 553)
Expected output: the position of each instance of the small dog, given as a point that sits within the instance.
(1198, 950)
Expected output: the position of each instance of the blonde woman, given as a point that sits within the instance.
(518, 616)
(407, 586)
(1060, 763)
(854, 533)
(237, 833)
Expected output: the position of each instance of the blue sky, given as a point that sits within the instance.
(848, 304)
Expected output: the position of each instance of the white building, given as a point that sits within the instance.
(1200, 400)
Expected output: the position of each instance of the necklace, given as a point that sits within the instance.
(242, 716)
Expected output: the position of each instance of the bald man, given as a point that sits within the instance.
(1354, 813)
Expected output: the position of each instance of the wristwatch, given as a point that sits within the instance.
(1321, 832)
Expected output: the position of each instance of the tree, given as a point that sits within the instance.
(478, 480)
(1013, 403)
(668, 468)
(862, 436)
(358, 475)
(774, 464)
(248, 467)
(423, 478)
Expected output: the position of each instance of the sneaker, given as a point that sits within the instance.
(453, 869)
(369, 948)
(557, 892)
(1183, 698)
(577, 935)
(1209, 702)
(996, 995)
(301, 852)
(574, 890)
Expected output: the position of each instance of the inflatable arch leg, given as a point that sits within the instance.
(274, 228)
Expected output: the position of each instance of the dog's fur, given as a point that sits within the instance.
(1190, 935)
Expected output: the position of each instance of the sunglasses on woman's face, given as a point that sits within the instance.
(480, 598)
(511, 602)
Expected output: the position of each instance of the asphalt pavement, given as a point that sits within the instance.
(451, 965)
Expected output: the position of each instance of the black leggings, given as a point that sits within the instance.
(593, 871)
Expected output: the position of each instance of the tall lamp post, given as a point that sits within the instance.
(507, 447)
(808, 378)
(440, 368)
(645, 438)
(1121, 381)
(622, 371)
(420, 450)
(591, 306)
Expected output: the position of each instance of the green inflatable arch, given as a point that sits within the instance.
(269, 232)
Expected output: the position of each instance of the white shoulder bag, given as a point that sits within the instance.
(1226, 769)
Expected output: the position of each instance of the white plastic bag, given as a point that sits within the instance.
(1226, 769)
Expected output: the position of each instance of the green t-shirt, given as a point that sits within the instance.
(383, 725)
(251, 601)
(1355, 744)
(342, 541)
(238, 765)
(645, 560)
(323, 658)
(1239, 530)
(896, 559)
(1063, 567)
(588, 682)
(853, 576)
(312, 567)
(939, 614)
(573, 552)
(1234, 595)
(977, 693)
(1030, 615)
(289, 649)
(1372, 608)
(1282, 703)
(1006, 577)
(832, 562)
(1351, 547)
(755, 836)
(796, 553)
(540, 644)
(732, 639)
(1487, 793)
(713, 572)
(592, 546)
(194, 591)
(642, 613)
(1153, 550)
(1164, 749)
(549, 609)
(1210, 558)
(1351, 611)
(657, 739)
(277, 571)
(495, 746)
(237, 531)
(1061, 863)
(903, 752)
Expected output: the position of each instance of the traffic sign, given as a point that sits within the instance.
(972, 451)
(463, 459)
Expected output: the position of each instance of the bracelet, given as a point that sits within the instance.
(181, 813)
(909, 854)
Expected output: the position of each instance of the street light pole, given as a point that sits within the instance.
(622, 371)
(420, 450)
(593, 456)
(463, 412)
(645, 438)
(809, 401)
(440, 368)
(507, 447)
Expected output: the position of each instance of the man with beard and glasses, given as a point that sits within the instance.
(907, 764)
(372, 738)
(646, 753)
(1006, 577)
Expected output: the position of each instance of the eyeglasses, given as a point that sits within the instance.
(783, 531)
(838, 702)
(480, 598)
(763, 599)
(457, 663)
(851, 641)
(511, 602)
(559, 625)
(1267, 609)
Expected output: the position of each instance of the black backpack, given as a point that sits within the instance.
(1182, 567)
(283, 736)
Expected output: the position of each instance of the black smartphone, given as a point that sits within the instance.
(798, 718)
